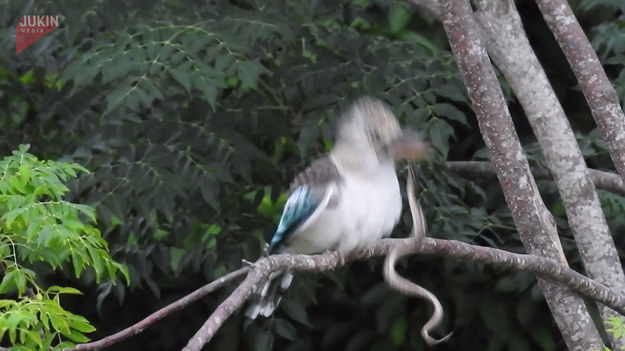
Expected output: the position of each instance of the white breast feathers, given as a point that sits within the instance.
(367, 209)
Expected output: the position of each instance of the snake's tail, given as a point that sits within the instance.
(431, 341)
(435, 320)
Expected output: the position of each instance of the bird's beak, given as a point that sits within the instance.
(410, 145)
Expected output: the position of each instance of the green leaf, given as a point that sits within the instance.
(398, 331)
(96, 261)
(81, 324)
(116, 70)
(9, 217)
(124, 270)
(285, 329)
(58, 322)
(7, 304)
(32, 336)
(12, 322)
(24, 174)
(296, 311)
(86, 210)
(264, 341)
(20, 281)
(440, 132)
(78, 262)
(182, 76)
(175, 255)
(248, 72)
(9, 283)
(398, 17)
(151, 89)
(63, 290)
(449, 111)
(118, 97)
(75, 336)
(210, 92)
(28, 77)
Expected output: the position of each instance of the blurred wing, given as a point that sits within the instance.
(312, 191)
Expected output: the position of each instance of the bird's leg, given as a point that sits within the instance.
(264, 254)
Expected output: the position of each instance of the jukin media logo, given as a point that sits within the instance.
(32, 28)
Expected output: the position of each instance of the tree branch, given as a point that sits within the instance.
(511, 51)
(535, 224)
(542, 267)
(482, 169)
(599, 92)
(158, 315)
(226, 308)
(428, 6)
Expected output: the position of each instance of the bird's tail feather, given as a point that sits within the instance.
(265, 301)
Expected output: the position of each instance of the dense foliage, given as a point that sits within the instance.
(193, 117)
(37, 225)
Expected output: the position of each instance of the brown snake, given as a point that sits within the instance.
(402, 284)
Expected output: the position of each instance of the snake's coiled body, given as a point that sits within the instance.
(403, 285)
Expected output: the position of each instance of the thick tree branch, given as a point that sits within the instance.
(542, 267)
(535, 224)
(599, 92)
(482, 169)
(158, 315)
(501, 29)
(510, 50)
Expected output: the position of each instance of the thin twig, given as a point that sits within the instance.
(158, 315)
(482, 169)
(225, 309)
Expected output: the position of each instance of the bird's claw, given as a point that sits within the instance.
(266, 250)
(249, 263)
(339, 256)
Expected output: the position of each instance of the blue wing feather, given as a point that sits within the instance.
(300, 205)
(307, 192)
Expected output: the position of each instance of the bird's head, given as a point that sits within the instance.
(371, 128)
